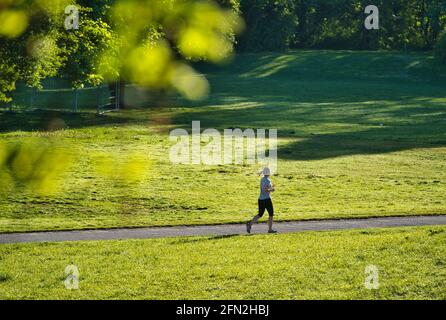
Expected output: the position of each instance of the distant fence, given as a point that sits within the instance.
(56, 96)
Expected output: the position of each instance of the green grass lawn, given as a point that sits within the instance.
(312, 265)
(360, 134)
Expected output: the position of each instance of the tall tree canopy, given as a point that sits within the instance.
(339, 24)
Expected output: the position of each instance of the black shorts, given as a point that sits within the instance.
(266, 204)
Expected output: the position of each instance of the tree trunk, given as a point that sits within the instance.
(121, 101)
(303, 26)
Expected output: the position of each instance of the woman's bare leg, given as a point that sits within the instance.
(270, 223)
(254, 220)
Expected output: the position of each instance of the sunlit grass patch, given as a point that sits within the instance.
(352, 144)
(311, 265)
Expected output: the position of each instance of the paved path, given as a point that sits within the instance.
(220, 230)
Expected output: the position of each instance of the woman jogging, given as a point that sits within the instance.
(266, 187)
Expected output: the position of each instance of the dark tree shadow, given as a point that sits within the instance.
(44, 120)
(333, 123)
(204, 239)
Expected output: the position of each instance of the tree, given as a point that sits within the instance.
(270, 25)
(149, 42)
(339, 24)
(28, 54)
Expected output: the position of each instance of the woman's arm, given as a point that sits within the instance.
(269, 188)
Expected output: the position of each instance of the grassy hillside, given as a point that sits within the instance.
(360, 134)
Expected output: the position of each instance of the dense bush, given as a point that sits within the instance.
(233, 4)
(270, 24)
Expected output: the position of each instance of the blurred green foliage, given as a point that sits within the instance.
(34, 165)
(130, 168)
(154, 40)
(148, 42)
(13, 22)
(40, 167)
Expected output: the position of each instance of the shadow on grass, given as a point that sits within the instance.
(335, 65)
(204, 239)
(314, 131)
(328, 104)
(55, 120)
